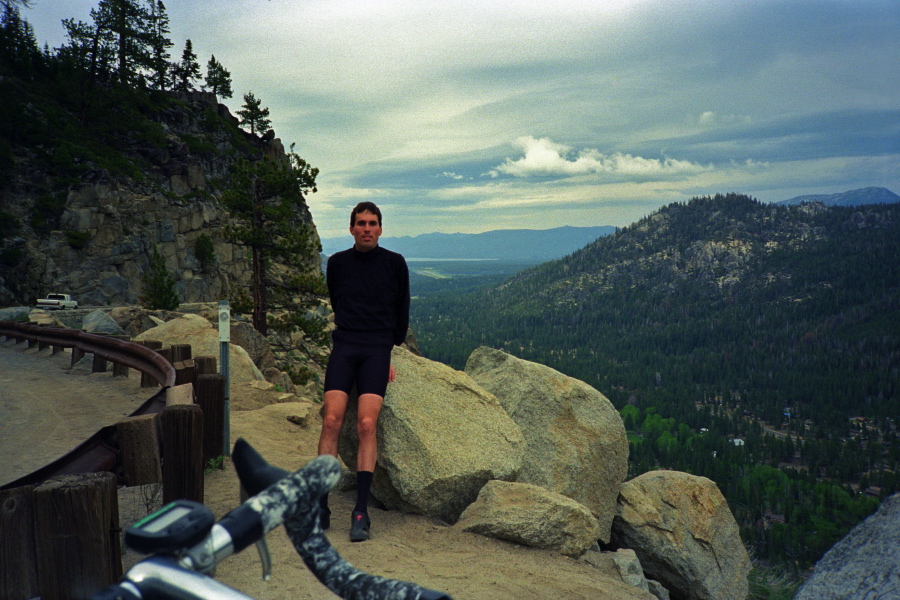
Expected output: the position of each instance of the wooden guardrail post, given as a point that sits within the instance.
(139, 444)
(206, 365)
(149, 380)
(18, 562)
(180, 352)
(211, 398)
(185, 371)
(120, 370)
(77, 355)
(99, 364)
(182, 465)
(77, 535)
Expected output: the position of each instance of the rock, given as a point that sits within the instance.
(684, 534)
(441, 438)
(864, 564)
(531, 515)
(630, 568)
(15, 313)
(279, 379)
(657, 589)
(257, 346)
(99, 322)
(204, 341)
(576, 440)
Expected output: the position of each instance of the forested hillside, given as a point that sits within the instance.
(757, 345)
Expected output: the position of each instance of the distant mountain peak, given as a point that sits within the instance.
(867, 195)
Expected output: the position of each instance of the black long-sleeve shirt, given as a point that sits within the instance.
(369, 294)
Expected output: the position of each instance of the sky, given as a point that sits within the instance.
(470, 116)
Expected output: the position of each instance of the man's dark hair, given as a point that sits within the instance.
(365, 207)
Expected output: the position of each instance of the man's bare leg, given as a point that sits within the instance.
(368, 409)
(334, 409)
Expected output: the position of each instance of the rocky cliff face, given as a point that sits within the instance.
(108, 223)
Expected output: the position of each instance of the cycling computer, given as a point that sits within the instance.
(179, 524)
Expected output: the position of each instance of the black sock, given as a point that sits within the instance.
(323, 501)
(363, 485)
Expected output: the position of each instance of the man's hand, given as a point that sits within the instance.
(392, 374)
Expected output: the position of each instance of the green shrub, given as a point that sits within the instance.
(77, 239)
(11, 257)
(159, 285)
(9, 224)
(46, 212)
(205, 252)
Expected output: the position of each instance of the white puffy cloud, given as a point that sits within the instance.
(543, 157)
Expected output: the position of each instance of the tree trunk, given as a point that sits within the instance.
(259, 270)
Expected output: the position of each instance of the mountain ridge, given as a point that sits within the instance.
(857, 197)
(776, 329)
(522, 245)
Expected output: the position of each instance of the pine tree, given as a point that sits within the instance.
(267, 203)
(253, 115)
(159, 44)
(187, 71)
(218, 79)
(158, 285)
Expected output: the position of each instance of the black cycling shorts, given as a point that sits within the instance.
(366, 366)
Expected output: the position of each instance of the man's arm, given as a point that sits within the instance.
(402, 305)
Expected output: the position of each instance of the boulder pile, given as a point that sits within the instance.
(515, 450)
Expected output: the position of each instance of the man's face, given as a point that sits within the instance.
(366, 231)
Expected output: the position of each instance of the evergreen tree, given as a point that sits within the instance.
(130, 27)
(18, 48)
(187, 71)
(269, 207)
(158, 284)
(253, 115)
(159, 44)
(90, 46)
(218, 79)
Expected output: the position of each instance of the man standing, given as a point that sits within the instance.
(369, 290)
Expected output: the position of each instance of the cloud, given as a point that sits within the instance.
(544, 158)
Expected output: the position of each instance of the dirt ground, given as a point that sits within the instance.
(403, 546)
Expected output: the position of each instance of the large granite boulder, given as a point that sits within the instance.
(576, 440)
(15, 313)
(682, 530)
(441, 437)
(532, 516)
(865, 564)
(204, 341)
(98, 321)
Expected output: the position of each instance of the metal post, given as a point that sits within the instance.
(224, 369)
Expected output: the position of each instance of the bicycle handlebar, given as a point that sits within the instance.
(278, 497)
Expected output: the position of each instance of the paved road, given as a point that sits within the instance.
(46, 408)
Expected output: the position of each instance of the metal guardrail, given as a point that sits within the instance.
(100, 452)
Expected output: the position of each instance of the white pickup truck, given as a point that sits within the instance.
(57, 302)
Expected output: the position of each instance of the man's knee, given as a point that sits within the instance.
(332, 423)
(365, 427)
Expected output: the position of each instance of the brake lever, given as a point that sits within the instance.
(262, 546)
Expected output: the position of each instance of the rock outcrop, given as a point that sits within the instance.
(681, 528)
(533, 516)
(441, 439)
(865, 564)
(576, 440)
(204, 341)
(107, 224)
